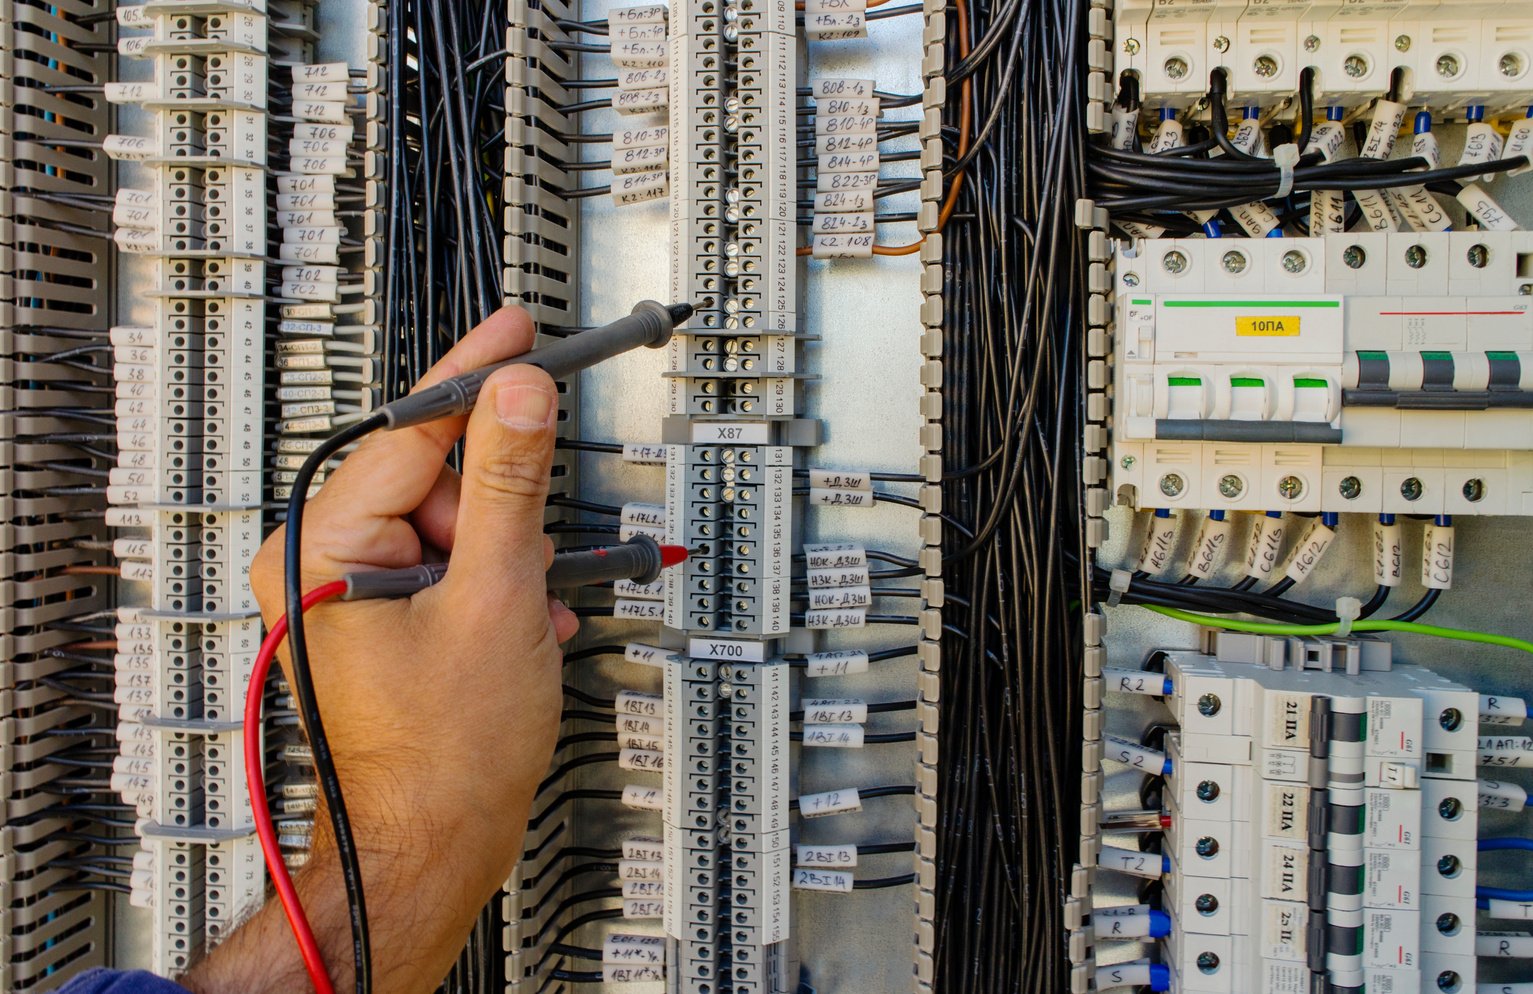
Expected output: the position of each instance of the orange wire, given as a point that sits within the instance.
(97, 645)
(92, 571)
(965, 95)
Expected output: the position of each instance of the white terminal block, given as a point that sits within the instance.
(1371, 372)
(191, 482)
(1456, 53)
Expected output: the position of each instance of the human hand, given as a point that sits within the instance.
(442, 710)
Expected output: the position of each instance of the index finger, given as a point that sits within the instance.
(391, 472)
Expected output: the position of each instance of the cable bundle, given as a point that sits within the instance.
(446, 115)
(1010, 699)
(446, 126)
(1173, 188)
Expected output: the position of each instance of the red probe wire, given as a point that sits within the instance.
(255, 780)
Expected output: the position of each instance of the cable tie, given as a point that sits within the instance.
(1286, 157)
(1118, 583)
(1348, 610)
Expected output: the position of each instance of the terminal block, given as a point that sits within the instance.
(1454, 54)
(193, 410)
(732, 505)
(1368, 372)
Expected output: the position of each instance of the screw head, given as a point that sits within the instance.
(1411, 488)
(1354, 256)
(1448, 923)
(1355, 66)
(1402, 43)
(1221, 44)
(1416, 256)
(1206, 904)
(1172, 484)
(1449, 866)
(1350, 488)
(1131, 46)
(1474, 490)
(1231, 486)
(1449, 981)
(1130, 279)
(1448, 65)
(1478, 256)
(1450, 808)
(1290, 488)
(1234, 261)
(1525, 289)
(1312, 43)
(1208, 791)
(1511, 65)
(1451, 719)
(1208, 962)
(1265, 66)
(1207, 847)
(1209, 705)
(1174, 262)
(1176, 67)
(1127, 462)
(1294, 261)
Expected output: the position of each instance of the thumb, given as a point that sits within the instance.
(509, 448)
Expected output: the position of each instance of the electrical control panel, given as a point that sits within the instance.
(1102, 441)
(1306, 358)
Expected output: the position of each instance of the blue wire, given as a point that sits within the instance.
(1484, 895)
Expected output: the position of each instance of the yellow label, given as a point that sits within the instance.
(1268, 326)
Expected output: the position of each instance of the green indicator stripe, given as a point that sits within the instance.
(1184, 381)
(1373, 356)
(1501, 356)
(1438, 356)
(1268, 305)
(1247, 381)
(1303, 382)
(1142, 302)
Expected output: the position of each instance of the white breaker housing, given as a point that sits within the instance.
(1371, 372)
(1323, 824)
(1455, 53)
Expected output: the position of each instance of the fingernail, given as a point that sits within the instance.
(524, 406)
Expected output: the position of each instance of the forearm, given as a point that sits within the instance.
(423, 893)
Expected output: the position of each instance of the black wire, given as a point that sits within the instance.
(302, 682)
(878, 883)
(1419, 608)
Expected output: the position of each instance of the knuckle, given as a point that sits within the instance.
(510, 473)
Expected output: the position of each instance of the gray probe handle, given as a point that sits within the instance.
(638, 559)
(650, 324)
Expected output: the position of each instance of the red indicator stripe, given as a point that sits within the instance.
(1451, 314)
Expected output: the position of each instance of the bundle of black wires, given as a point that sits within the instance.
(446, 117)
(1160, 189)
(1013, 360)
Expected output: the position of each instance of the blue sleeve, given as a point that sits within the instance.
(120, 982)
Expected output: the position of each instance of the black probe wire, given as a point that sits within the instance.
(302, 682)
